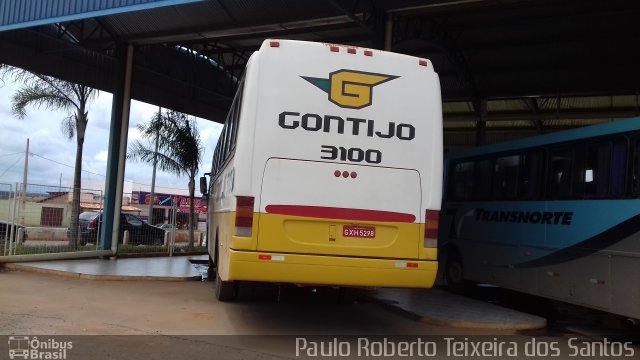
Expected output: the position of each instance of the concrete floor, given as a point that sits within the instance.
(186, 314)
(432, 306)
(35, 303)
(439, 307)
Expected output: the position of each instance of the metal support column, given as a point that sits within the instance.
(117, 149)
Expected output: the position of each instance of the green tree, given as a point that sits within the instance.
(180, 150)
(46, 91)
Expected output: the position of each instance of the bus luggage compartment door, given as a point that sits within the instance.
(310, 207)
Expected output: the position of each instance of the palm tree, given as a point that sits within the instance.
(179, 150)
(41, 90)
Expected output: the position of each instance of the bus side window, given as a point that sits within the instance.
(482, 179)
(596, 170)
(227, 141)
(462, 184)
(618, 168)
(505, 177)
(636, 167)
(559, 176)
(529, 184)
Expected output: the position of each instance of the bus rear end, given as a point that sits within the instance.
(344, 183)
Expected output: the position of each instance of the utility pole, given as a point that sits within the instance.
(153, 176)
(24, 184)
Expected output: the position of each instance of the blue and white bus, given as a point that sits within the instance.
(555, 215)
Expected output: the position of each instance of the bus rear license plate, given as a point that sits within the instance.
(359, 231)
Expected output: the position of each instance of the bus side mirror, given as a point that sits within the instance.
(203, 185)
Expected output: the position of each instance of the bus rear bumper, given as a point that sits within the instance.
(331, 270)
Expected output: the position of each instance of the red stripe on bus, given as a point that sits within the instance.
(340, 213)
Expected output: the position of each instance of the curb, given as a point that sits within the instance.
(76, 275)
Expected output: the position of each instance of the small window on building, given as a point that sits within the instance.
(50, 216)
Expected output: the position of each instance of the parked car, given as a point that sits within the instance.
(5, 230)
(140, 233)
(167, 227)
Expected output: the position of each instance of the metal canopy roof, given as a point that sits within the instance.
(523, 64)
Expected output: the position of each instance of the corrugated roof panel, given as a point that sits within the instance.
(281, 10)
(592, 102)
(457, 107)
(571, 123)
(515, 124)
(18, 14)
(507, 105)
(167, 19)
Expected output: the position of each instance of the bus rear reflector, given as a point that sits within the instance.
(432, 218)
(244, 216)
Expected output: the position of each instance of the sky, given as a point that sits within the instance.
(52, 154)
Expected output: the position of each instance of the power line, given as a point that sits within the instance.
(69, 166)
(94, 173)
(16, 153)
(12, 165)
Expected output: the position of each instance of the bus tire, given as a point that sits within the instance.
(454, 275)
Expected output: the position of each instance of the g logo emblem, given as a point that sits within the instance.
(350, 89)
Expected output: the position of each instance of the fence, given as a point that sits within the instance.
(40, 222)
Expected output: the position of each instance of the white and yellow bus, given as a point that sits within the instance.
(328, 170)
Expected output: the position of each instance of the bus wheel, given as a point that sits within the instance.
(454, 274)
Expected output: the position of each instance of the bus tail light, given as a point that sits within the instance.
(244, 216)
(432, 218)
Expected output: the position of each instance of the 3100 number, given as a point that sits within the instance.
(352, 154)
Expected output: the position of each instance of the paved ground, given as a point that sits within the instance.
(49, 304)
(53, 306)
(433, 306)
(439, 307)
